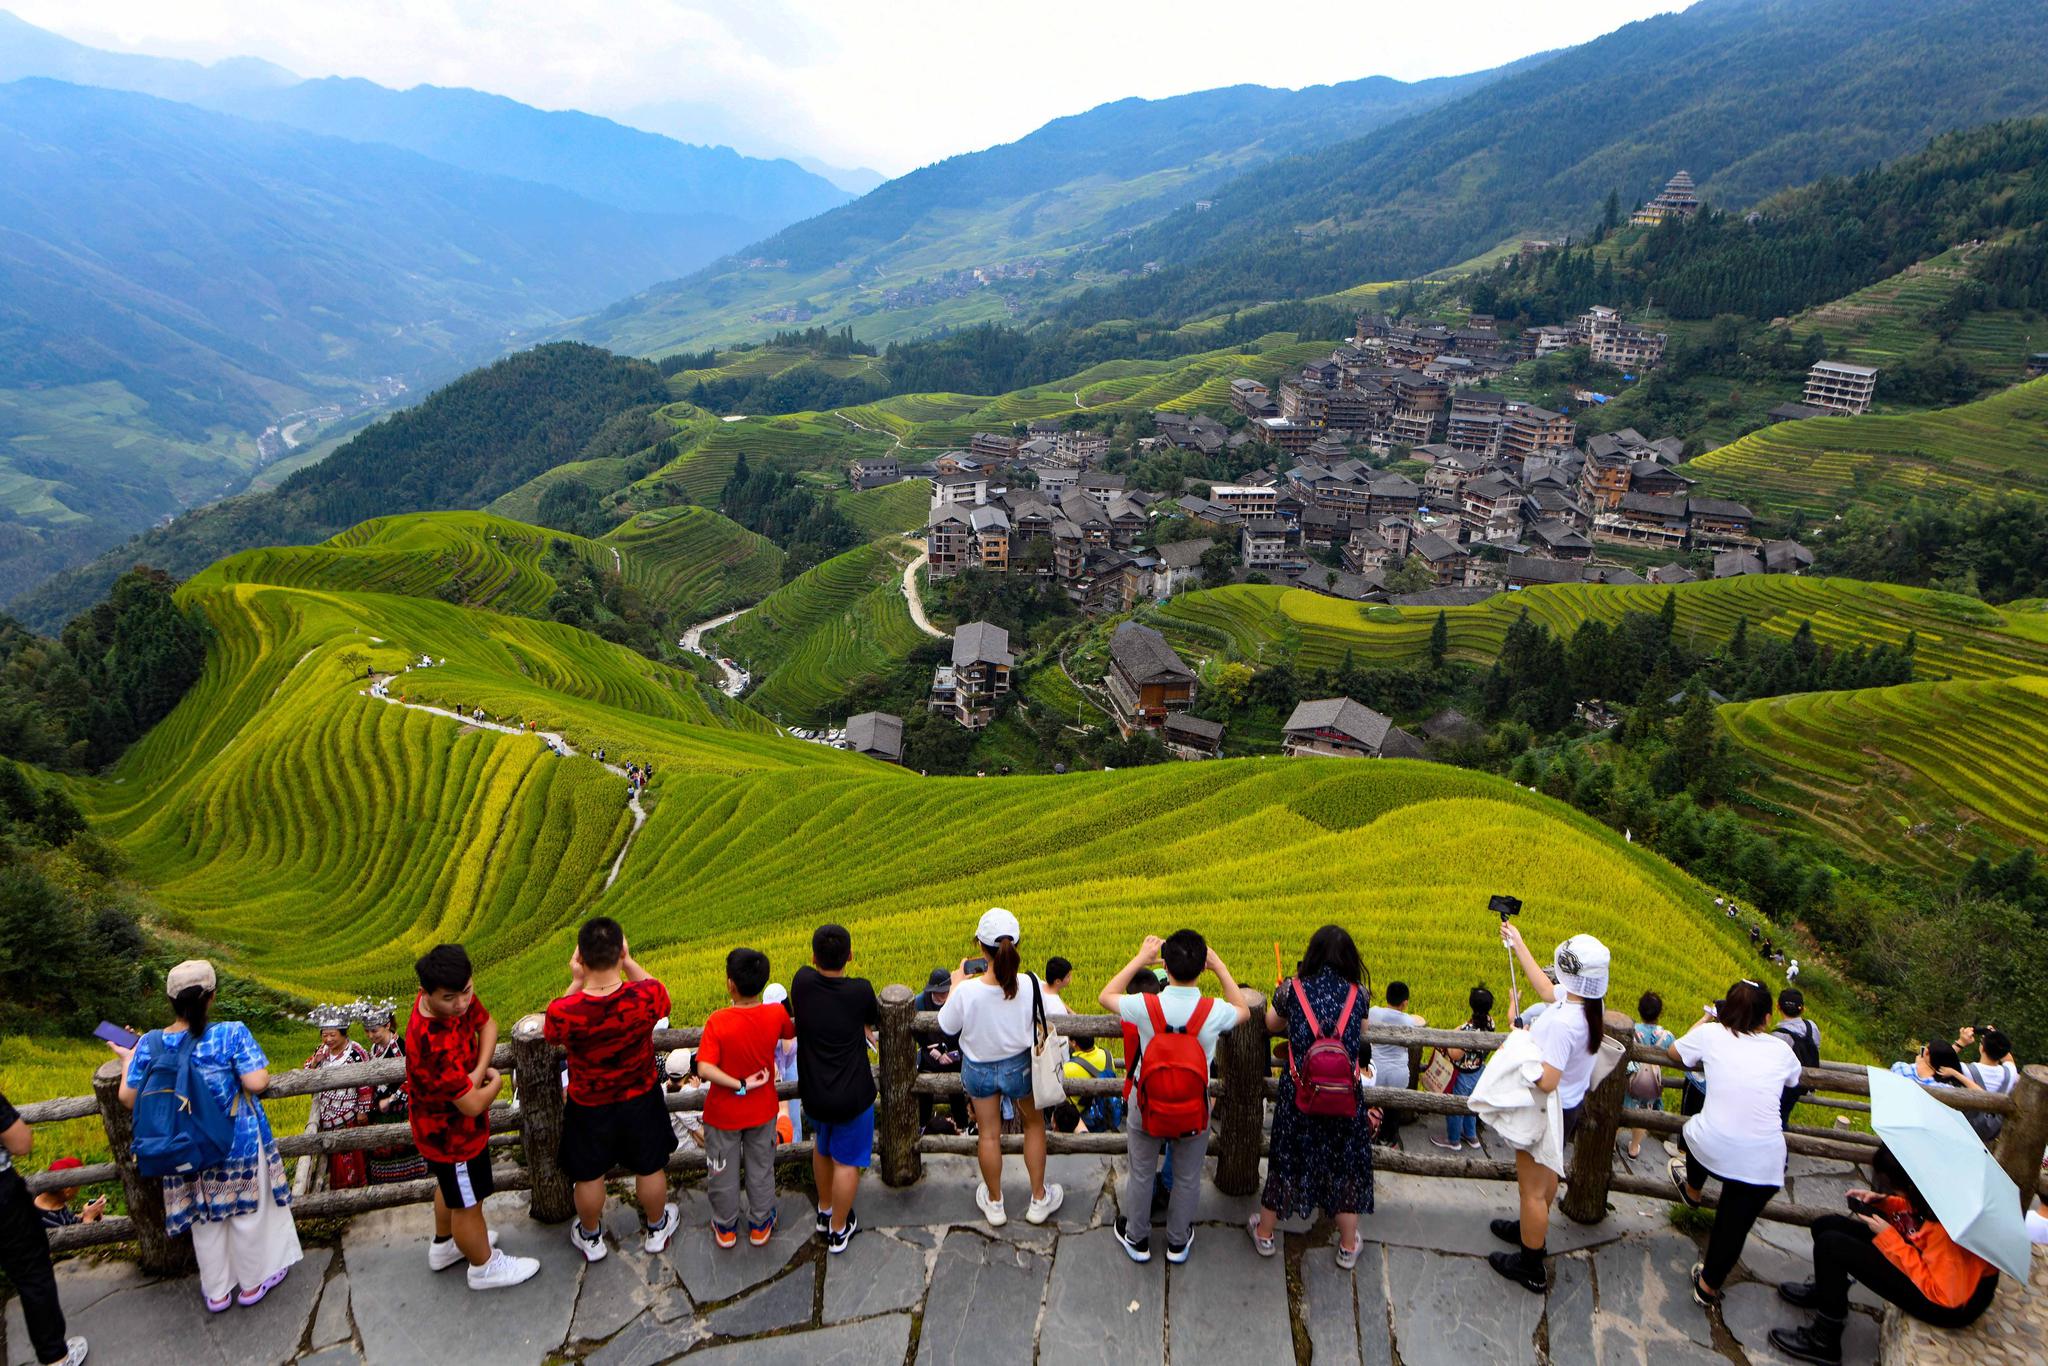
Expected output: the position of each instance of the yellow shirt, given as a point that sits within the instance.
(1097, 1058)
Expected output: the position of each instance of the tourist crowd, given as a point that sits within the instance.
(196, 1083)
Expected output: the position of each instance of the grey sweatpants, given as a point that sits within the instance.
(727, 1150)
(1144, 1151)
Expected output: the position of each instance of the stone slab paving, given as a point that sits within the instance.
(927, 1281)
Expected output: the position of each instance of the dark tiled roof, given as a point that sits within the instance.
(981, 642)
(876, 732)
(1180, 723)
(1144, 654)
(1343, 715)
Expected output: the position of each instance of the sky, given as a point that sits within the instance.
(887, 84)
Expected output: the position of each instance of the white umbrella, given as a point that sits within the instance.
(1975, 1200)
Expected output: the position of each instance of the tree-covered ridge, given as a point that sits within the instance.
(1750, 95)
(466, 444)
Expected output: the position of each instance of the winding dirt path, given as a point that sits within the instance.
(567, 749)
(913, 601)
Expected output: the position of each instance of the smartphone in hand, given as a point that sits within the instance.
(116, 1035)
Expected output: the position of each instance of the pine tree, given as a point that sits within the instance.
(1439, 641)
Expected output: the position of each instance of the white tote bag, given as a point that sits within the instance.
(1048, 1056)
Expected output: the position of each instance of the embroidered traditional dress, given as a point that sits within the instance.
(342, 1110)
(400, 1162)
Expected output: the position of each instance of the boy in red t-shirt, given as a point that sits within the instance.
(737, 1058)
(448, 1074)
(615, 1114)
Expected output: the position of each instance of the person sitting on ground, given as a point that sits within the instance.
(837, 1017)
(1089, 1060)
(737, 1058)
(1646, 1079)
(1738, 1136)
(614, 1115)
(1059, 975)
(1390, 1060)
(941, 1054)
(1894, 1247)
(25, 1250)
(681, 1079)
(1170, 1109)
(1462, 1131)
(1321, 1151)
(1567, 1035)
(239, 1209)
(449, 1043)
(996, 1019)
(54, 1206)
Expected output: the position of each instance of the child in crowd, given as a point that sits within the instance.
(1059, 975)
(737, 1058)
(615, 1113)
(448, 1075)
(836, 1019)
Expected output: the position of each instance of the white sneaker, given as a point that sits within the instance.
(76, 1356)
(441, 1256)
(1041, 1210)
(591, 1245)
(658, 1236)
(991, 1210)
(503, 1270)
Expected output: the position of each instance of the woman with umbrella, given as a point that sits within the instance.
(1931, 1238)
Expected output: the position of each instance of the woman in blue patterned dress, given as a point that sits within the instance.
(239, 1210)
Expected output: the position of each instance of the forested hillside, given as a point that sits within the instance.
(1749, 95)
(465, 445)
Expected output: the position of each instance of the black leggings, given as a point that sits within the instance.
(1735, 1214)
(1845, 1248)
(25, 1257)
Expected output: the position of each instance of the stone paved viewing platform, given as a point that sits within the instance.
(926, 1281)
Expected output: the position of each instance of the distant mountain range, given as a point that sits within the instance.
(189, 253)
(900, 260)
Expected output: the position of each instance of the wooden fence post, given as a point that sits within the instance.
(896, 1120)
(1592, 1158)
(537, 1081)
(159, 1253)
(1247, 1060)
(2024, 1134)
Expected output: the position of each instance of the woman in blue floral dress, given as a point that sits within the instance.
(239, 1210)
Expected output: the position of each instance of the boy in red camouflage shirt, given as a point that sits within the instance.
(615, 1114)
(448, 1046)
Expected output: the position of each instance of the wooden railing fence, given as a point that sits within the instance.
(1245, 1082)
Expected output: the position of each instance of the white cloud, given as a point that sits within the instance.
(891, 85)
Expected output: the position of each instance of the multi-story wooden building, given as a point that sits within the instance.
(1147, 682)
(968, 689)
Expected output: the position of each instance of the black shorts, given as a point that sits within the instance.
(632, 1133)
(1572, 1118)
(464, 1185)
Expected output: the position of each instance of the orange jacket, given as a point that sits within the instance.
(1944, 1272)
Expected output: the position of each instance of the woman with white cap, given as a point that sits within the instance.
(1567, 1037)
(785, 1062)
(993, 1018)
(239, 1209)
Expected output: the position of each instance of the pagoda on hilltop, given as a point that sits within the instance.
(1679, 200)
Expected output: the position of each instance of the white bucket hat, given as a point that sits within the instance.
(1582, 964)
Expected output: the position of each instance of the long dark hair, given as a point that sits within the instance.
(1002, 956)
(1596, 1021)
(191, 1005)
(1890, 1178)
(1481, 1002)
(1331, 947)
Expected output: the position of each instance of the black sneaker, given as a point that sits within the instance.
(824, 1222)
(1518, 1269)
(1138, 1250)
(1820, 1342)
(1179, 1253)
(835, 1243)
(1797, 1293)
(1507, 1230)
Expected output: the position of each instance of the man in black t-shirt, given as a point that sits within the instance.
(836, 1017)
(25, 1249)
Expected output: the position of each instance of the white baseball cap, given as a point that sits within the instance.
(997, 924)
(193, 972)
(775, 995)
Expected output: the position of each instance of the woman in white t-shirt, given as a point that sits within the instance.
(993, 1015)
(1567, 1036)
(1739, 1137)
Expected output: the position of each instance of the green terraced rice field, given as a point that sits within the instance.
(1923, 774)
(892, 508)
(694, 561)
(1822, 465)
(831, 624)
(1956, 637)
(1887, 321)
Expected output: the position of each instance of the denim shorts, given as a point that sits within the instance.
(1005, 1077)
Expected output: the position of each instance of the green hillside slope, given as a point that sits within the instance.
(1820, 466)
(1954, 636)
(823, 629)
(1924, 774)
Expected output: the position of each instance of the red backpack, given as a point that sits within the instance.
(1326, 1081)
(1173, 1074)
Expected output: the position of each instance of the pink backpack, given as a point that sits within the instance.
(1326, 1078)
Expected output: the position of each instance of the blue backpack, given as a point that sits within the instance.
(180, 1128)
(1102, 1114)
